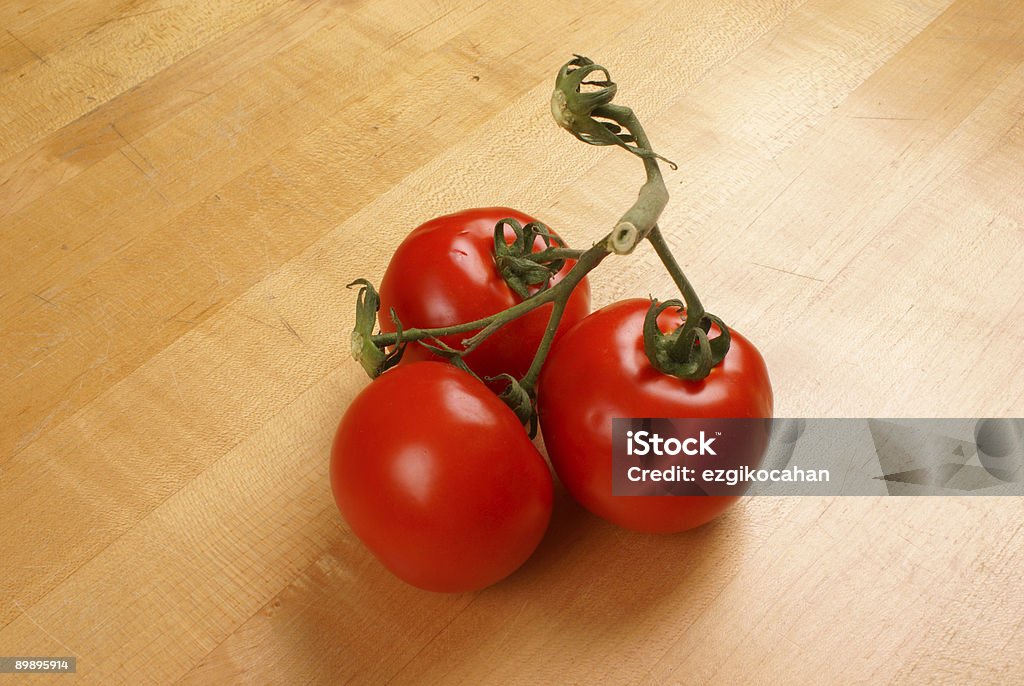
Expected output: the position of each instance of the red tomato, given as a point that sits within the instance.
(444, 274)
(436, 476)
(599, 371)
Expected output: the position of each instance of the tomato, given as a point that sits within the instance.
(437, 477)
(444, 274)
(599, 371)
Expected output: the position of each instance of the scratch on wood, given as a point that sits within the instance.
(981, 39)
(258, 321)
(96, 26)
(773, 201)
(786, 271)
(404, 37)
(30, 436)
(22, 44)
(429, 641)
(177, 387)
(63, 645)
(782, 26)
(50, 351)
(181, 310)
(45, 300)
(289, 327)
(145, 174)
(881, 118)
(134, 149)
(133, 15)
(68, 153)
(206, 309)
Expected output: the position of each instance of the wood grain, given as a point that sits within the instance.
(185, 189)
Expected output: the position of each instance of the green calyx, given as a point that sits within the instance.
(519, 265)
(373, 359)
(520, 401)
(589, 115)
(686, 353)
(572, 107)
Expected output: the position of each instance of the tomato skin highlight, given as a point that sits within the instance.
(444, 274)
(598, 371)
(436, 476)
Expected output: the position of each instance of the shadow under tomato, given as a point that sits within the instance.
(591, 587)
(615, 575)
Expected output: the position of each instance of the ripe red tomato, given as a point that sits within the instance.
(436, 476)
(444, 274)
(599, 371)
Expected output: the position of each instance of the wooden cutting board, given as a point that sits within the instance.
(186, 188)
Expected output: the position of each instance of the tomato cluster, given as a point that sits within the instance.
(436, 475)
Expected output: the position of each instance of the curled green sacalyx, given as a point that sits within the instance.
(589, 114)
(571, 106)
(520, 401)
(686, 353)
(517, 262)
(374, 360)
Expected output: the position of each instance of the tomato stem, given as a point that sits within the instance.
(550, 254)
(529, 380)
(590, 115)
(687, 353)
(641, 218)
(488, 325)
(694, 308)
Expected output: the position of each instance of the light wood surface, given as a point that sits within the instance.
(185, 189)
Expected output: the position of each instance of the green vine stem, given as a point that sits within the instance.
(590, 116)
(551, 254)
(697, 325)
(582, 104)
(488, 325)
(529, 380)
